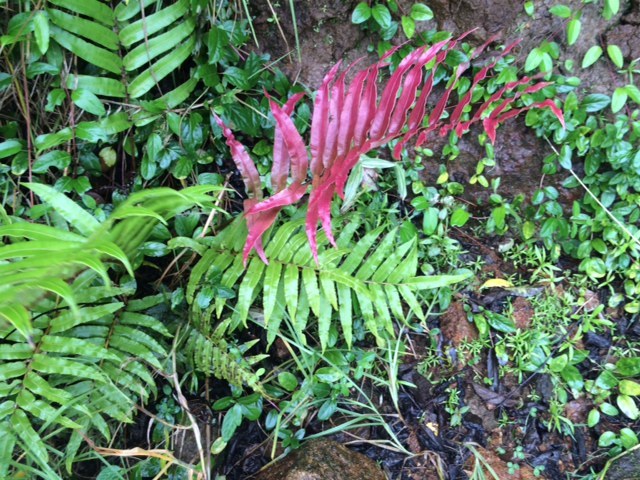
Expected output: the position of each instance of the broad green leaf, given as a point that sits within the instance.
(629, 387)
(70, 210)
(247, 288)
(161, 68)
(88, 29)
(88, 101)
(31, 440)
(361, 13)
(565, 157)
(89, 52)
(615, 54)
(628, 406)
(147, 51)
(420, 12)
(500, 322)
(7, 444)
(558, 363)
(91, 8)
(41, 31)
(9, 148)
(12, 370)
(573, 31)
(324, 321)
(345, 311)
(595, 102)
(64, 366)
(291, 289)
(594, 418)
(38, 385)
(106, 87)
(633, 92)
(151, 24)
(561, 11)
(592, 55)
(270, 289)
(408, 26)
(310, 282)
(50, 140)
(619, 99)
(42, 410)
(381, 15)
(435, 281)
(288, 381)
(613, 6)
(572, 376)
(74, 346)
(56, 158)
(19, 317)
(459, 217)
(628, 438)
(533, 59)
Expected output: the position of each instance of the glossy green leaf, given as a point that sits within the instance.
(619, 99)
(561, 11)
(361, 13)
(161, 68)
(147, 51)
(71, 211)
(41, 31)
(90, 30)
(87, 51)
(91, 8)
(9, 148)
(628, 406)
(150, 24)
(573, 30)
(592, 55)
(31, 440)
(420, 12)
(615, 54)
(629, 387)
(381, 15)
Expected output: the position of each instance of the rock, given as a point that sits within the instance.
(455, 327)
(626, 467)
(323, 460)
(522, 313)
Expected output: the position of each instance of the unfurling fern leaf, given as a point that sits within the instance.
(375, 273)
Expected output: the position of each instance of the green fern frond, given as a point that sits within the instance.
(156, 40)
(213, 355)
(376, 273)
(102, 362)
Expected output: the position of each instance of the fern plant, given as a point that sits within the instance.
(375, 274)
(72, 355)
(351, 120)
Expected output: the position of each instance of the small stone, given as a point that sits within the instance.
(323, 460)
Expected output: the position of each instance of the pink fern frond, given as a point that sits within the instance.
(350, 120)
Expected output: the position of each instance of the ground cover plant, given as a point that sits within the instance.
(170, 309)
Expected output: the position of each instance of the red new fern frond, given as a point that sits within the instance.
(350, 120)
